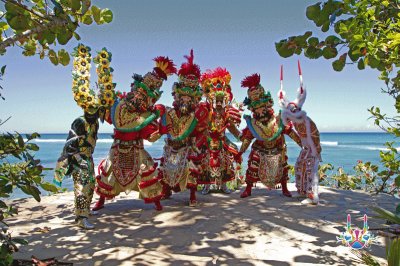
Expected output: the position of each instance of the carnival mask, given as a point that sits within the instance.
(185, 105)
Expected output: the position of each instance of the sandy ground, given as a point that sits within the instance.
(264, 229)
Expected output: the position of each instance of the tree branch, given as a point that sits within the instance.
(54, 22)
(25, 8)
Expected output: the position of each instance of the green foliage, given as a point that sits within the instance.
(18, 169)
(393, 252)
(365, 31)
(37, 25)
(365, 176)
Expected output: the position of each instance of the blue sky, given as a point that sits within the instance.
(238, 35)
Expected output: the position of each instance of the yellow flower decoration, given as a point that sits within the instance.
(105, 63)
(83, 50)
(106, 79)
(103, 54)
(108, 86)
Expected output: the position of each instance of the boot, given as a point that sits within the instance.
(193, 201)
(99, 204)
(247, 191)
(158, 206)
(285, 190)
(84, 223)
(225, 189)
(166, 192)
(206, 189)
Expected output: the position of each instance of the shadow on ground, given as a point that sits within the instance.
(264, 229)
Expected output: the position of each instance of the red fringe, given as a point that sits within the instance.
(148, 183)
(152, 200)
(150, 171)
(102, 184)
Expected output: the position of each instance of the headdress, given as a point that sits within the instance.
(215, 84)
(257, 96)
(86, 97)
(188, 79)
(151, 82)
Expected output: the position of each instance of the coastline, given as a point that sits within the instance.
(222, 229)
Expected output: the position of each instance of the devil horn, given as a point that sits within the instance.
(348, 222)
(301, 76)
(365, 228)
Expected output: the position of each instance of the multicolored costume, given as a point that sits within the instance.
(76, 158)
(267, 160)
(185, 124)
(221, 151)
(306, 167)
(129, 166)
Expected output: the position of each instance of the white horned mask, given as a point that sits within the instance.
(292, 110)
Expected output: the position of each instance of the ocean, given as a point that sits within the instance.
(338, 149)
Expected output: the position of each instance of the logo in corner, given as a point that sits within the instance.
(356, 238)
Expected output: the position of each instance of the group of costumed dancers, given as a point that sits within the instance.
(197, 150)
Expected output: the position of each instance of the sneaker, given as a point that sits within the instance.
(205, 190)
(93, 213)
(225, 189)
(309, 201)
(84, 223)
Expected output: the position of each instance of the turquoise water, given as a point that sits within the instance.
(339, 149)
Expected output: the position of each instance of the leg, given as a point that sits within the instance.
(284, 180)
(193, 201)
(83, 190)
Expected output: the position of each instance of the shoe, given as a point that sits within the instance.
(84, 223)
(99, 204)
(93, 213)
(285, 190)
(245, 194)
(309, 201)
(205, 190)
(225, 189)
(192, 203)
(247, 191)
(158, 206)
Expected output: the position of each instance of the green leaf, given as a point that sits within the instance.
(64, 36)
(329, 52)
(32, 147)
(313, 41)
(2, 70)
(49, 187)
(4, 26)
(47, 37)
(21, 142)
(313, 11)
(397, 181)
(19, 22)
(106, 15)
(20, 241)
(35, 193)
(76, 4)
(96, 14)
(87, 19)
(53, 57)
(63, 57)
(338, 65)
(361, 64)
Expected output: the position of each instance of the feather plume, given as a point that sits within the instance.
(164, 67)
(189, 68)
(251, 81)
